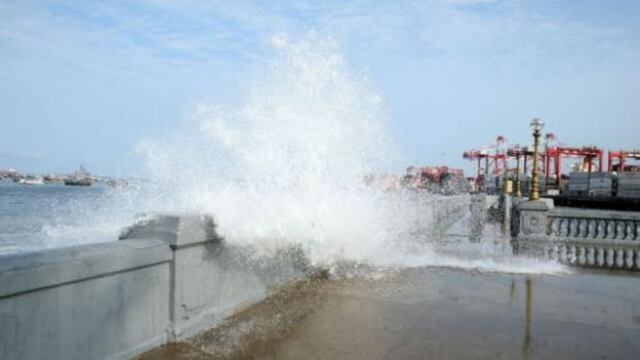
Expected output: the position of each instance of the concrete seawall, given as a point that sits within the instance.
(169, 278)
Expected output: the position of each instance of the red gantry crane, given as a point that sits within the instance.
(621, 156)
(494, 156)
(553, 156)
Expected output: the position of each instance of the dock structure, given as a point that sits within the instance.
(598, 221)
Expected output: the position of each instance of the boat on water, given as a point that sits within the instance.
(79, 178)
(31, 181)
(78, 181)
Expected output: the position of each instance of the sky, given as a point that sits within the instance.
(82, 82)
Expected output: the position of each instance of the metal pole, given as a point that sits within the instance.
(535, 194)
(518, 193)
(559, 172)
(557, 169)
(547, 165)
(486, 168)
(505, 178)
(600, 160)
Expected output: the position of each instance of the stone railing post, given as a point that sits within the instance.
(531, 226)
(193, 243)
(478, 209)
(209, 278)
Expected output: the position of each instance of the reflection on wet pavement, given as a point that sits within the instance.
(434, 313)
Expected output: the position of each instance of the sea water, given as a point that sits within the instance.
(53, 215)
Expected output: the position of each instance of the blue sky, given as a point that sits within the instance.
(83, 82)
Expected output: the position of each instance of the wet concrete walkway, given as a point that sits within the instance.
(434, 313)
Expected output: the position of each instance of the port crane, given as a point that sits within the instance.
(553, 157)
(494, 156)
(621, 157)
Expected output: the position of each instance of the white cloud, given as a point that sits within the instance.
(202, 32)
(441, 47)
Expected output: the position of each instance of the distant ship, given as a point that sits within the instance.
(79, 178)
(31, 181)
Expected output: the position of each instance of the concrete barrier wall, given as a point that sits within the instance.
(86, 302)
(169, 278)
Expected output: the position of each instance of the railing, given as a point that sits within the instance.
(445, 211)
(593, 224)
(597, 238)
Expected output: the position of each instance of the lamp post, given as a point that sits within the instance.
(517, 189)
(537, 125)
(505, 179)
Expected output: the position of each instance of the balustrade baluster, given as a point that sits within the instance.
(556, 223)
(570, 227)
(620, 235)
(610, 259)
(602, 229)
(591, 229)
(628, 230)
(582, 257)
(611, 234)
(591, 256)
(563, 253)
(619, 258)
(572, 255)
(629, 258)
(556, 252)
(600, 257)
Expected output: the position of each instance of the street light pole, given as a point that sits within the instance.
(518, 192)
(537, 125)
